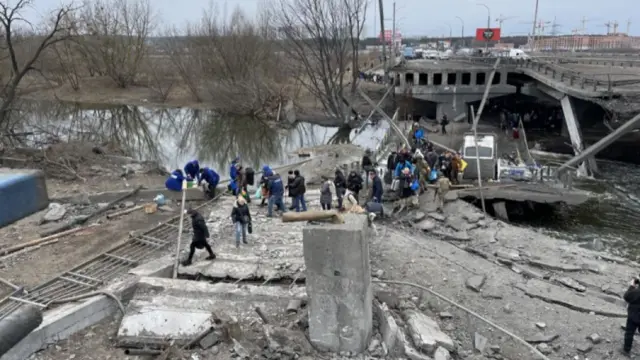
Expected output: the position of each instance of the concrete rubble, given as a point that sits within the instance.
(542, 289)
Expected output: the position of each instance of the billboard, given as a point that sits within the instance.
(386, 36)
(488, 34)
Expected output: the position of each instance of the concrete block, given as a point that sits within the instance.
(22, 193)
(64, 321)
(161, 267)
(388, 326)
(339, 284)
(177, 310)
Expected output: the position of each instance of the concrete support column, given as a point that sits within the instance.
(338, 278)
(430, 79)
(573, 127)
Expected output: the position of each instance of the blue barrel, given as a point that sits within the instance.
(22, 193)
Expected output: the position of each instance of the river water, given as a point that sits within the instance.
(175, 136)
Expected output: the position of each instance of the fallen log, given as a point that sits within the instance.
(84, 219)
(124, 212)
(40, 241)
(313, 215)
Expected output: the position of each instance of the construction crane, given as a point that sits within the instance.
(554, 27)
(615, 27)
(609, 25)
(628, 26)
(501, 19)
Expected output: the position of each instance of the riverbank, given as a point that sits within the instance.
(100, 92)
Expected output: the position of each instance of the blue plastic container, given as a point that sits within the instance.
(22, 193)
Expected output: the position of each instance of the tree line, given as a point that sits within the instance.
(243, 65)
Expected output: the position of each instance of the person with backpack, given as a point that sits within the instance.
(326, 193)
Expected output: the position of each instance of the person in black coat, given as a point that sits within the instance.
(241, 217)
(200, 236)
(290, 179)
(354, 184)
(340, 183)
(376, 187)
(392, 162)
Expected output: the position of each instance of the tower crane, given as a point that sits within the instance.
(501, 19)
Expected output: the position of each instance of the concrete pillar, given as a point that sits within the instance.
(430, 79)
(500, 209)
(338, 280)
(573, 127)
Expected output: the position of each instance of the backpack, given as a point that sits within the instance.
(250, 174)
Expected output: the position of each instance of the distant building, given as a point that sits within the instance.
(504, 46)
(587, 42)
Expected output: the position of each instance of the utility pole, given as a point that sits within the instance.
(393, 34)
(461, 31)
(584, 24)
(384, 41)
(375, 13)
(533, 32)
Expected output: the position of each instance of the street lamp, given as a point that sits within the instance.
(461, 31)
(486, 45)
(488, 14)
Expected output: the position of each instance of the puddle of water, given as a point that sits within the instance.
(176, 136)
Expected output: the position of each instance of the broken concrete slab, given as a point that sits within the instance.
(426, 333)
(508, 255)
(282, 338)
(561, 296)
(479, 342)
(437, 216)
(476, 282)
(453, 236)
(553, 264)
(388, 326)
(246, 267)
(425, 225)
(441, 354)
(473, 217)
(584, 347)
(570, 283)
(171, 309)
(541, 338)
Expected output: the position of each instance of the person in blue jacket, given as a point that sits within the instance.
(233, 169)
(401, 165)
(212, 178)
(276, 194)
(174, 181)
(192, 170)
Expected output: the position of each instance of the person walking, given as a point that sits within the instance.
(241, 217)
(632, 297)
(200, 236)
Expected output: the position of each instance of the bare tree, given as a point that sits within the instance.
(115, 37)
(22, 63)
(319, 39)
(356, 16)
(232, 65)
(160, 78)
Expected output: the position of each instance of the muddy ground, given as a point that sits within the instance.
(99, 172)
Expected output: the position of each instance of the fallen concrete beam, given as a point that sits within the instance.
(557, 295)
(64, 321)
(177, 310)
(247, 267)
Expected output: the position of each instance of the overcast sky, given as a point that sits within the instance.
(431, 17)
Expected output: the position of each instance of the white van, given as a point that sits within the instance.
(487, 154)
(518, 54)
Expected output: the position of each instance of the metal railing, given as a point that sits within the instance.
(99, 271)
